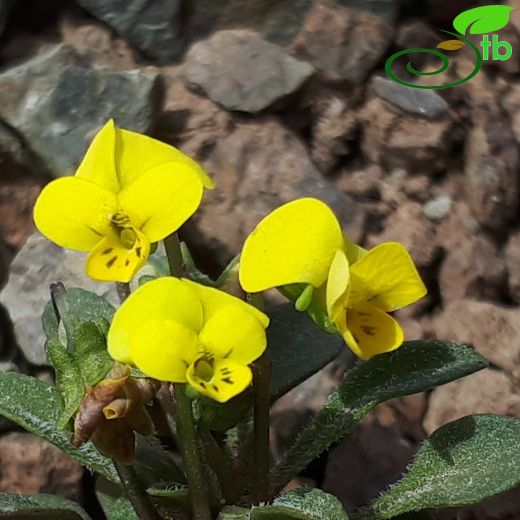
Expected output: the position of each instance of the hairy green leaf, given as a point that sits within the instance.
(40, 507)
(83, 305)
(35, 406)
(462, 463)
(297, 348)
(415, 367)
(302, 504)
(484, 19)
(69, 379)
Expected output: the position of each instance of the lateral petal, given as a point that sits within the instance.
(235, 334)
(160, 201)
(163, 299)
(164, 349)
(74, 213)
(385, 277)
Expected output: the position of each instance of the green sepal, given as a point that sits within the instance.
(462, 463)
(315, 309)
(305, 299)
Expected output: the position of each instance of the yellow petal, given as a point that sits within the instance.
(111, 261)
(338, 283)
(451, 45)
(159, 202)
(137, 154)
(221, 379)
(234, 333)
(385, 277)
(74, 213)
(353, 251)
(213, 300)
(99, 164)
(294, 244)
(371, 331)
(166, 298)
(164, 350)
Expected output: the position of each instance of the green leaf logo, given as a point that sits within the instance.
(481, 20)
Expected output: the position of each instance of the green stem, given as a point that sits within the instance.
(190, 453)
(220, 465)
(261, 453)
(140, 501)
(174, 255)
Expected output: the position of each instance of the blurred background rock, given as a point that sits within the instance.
(278, 99)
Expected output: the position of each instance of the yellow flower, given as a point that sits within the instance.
(179, 331)
(128, 192)
(302, 243)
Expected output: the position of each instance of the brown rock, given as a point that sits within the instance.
(188, 120)
(473, 269)
(365, 463)
(493, 330)
(458, 227)
(258, 167)
(511, 104)
(32, 465)
(333, 132)
(96, 42)
(512, 256)
(487, 391)
(491, 170)
(404, 415)
(394, 139)
(16, 205)
(343, 44)
(363, 183)
(414, 230)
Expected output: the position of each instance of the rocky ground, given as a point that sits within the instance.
(278, 99)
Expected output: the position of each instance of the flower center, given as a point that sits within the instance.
(203, 369)
(124, 229)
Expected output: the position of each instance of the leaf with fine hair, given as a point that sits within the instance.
(41, 507)
(417, 366)
(462, 463)
(35, 406)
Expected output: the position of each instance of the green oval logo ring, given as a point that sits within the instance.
(444, 65)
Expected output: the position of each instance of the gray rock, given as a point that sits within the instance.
(438, 207)
(386, 9)
(343, 44)
(153, 26)
(257, 167)
(58, 105)
(421, 102)
(278, 21)
(242, 71)
(38, 264)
